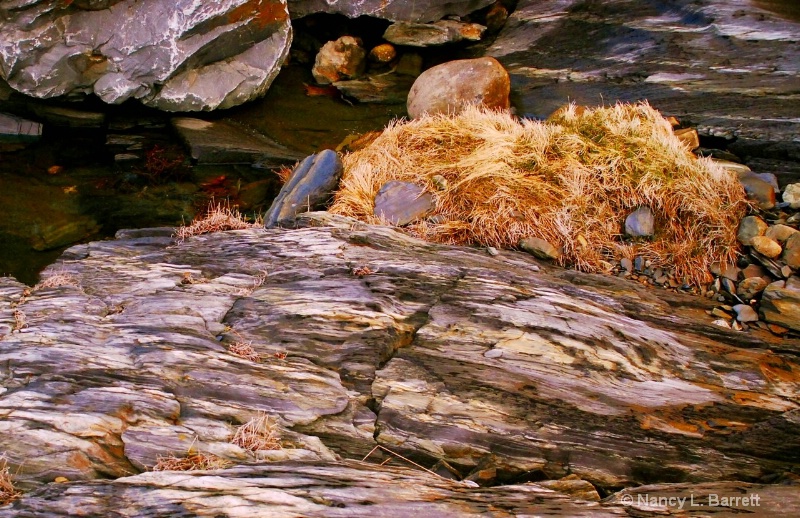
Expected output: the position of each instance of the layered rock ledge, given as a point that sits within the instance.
(502, 369)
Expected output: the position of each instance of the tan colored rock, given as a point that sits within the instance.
(751, 287)
(540, 248)
(339, 60)
(780, 233)
(574, 486)
(449, 87)
(766, 246)
(791, 195)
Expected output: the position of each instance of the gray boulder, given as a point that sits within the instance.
(311, 185)
(176, 55)
(396, 10)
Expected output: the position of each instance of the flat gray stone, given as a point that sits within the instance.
(400, 203)
(17, 129)
(224, 142)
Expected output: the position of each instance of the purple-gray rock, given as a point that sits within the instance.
(750, 227)
(396, 10)
(640, 223)
(310, 186)
(13, 128)
(175, 55)
(745, 313)
(400, 203)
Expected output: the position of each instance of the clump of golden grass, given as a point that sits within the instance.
(8, 493)
(259, 433)
(193, 461)
(218, 218)
(20, 321)
(57, 280)
(571, 180)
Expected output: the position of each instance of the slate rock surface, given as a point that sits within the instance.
(175, 55)
(423, 11)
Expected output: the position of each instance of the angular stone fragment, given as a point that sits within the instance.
(339, 60)
(689, 138)
(449, 87)
(640, 223)
(751, 287)
(745, 313)
(780, 303)
(540, 248)
(433, 34)
(310, 186)
(400, 203)
(17, 129)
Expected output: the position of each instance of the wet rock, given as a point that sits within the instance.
(780, 233)
(791, 251)
(751, 287)
(377, 89)
(177, 55)
(17, 129)
(540, 248)
(55, 234)
(640, 223)
(745, 313)
(780, 303)
(338, 60)
(383, 53)
(254, 194)
(68, 117)
(400, 203)
(432, 34)
(410, 64)
(448, 87)
(225, 142)
(758, 190)
(310, 186)
(396, 10)
(766, 246)
(750, 227)
(791, 195)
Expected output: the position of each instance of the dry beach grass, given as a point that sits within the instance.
(217, 218)
(259, 433)
(570, 180)
(8, 493)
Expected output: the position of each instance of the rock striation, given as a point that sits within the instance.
(422, 11)
(177, 55)
(500, 367)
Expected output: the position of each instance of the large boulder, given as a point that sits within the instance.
(449, 87)
(176, 55)
(396, 10)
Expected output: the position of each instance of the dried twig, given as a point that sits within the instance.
(259, 433)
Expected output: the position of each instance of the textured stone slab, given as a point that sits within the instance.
(13, 128)
(397, 10)
(175, 55)
(223, 142)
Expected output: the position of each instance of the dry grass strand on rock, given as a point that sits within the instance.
(8, 493)
(259, 433)
(56, 281)
(569, 180)
(218, 218)
(193, 461)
